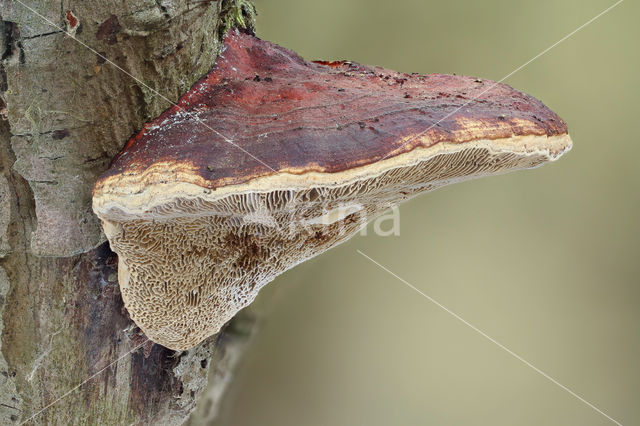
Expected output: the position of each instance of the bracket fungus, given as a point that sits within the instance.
(269, 160)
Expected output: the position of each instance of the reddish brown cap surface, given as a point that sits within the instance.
(263, 109)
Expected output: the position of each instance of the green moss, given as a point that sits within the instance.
(237, 13)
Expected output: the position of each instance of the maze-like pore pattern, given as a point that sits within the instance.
(188, 270)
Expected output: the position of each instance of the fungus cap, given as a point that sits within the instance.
(269, 160)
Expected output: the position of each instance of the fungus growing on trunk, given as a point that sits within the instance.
(270, 160)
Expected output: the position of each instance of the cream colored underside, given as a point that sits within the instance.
(133, 196)
(206, 254)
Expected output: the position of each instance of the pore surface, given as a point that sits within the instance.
(183, 277)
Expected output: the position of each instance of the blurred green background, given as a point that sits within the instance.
(545, 261)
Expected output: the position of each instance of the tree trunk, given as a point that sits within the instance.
(66, 111)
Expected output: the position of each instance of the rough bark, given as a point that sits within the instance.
(66, 111)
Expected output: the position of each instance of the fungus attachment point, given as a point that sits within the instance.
(299, 160)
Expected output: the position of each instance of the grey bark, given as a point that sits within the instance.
(65, 112)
